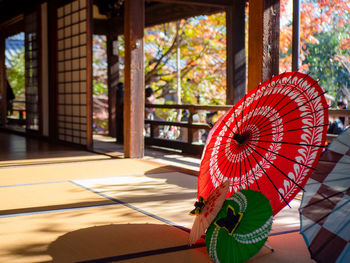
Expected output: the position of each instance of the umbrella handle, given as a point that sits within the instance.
(272, 250)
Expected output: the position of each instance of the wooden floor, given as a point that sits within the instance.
(18, 150)
(61, 204)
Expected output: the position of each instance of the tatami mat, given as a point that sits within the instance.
(111, 211)
(46, 197)
(171, 195)
(168, 195)
(47, 236)
(128, 243)
(106, 234)
(72, 157)
(79, 170)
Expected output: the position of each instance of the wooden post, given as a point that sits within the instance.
(191, 112)
(52, 68)
(3, 110)
(89, 106)
(44, 70)
(235, 48)
(134, 96)
(296, 35)
(113, 79)
(263, 41)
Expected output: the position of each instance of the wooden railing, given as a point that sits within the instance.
(157, 137)
(191, 127)
(17, 116)
(336, 114)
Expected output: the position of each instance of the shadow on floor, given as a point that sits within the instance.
(136, 242)
(171, 168)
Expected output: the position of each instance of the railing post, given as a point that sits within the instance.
(190, 130)
(151, 127)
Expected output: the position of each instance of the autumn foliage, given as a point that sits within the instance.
(324, 50)
(316, 17)
(202, 44)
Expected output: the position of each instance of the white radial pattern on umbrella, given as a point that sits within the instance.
(255, 236)
(312, 103)
(254, 132)
(241, 200)
(213, 243)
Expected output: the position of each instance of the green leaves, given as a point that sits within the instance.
(16, 75)
(323, 58)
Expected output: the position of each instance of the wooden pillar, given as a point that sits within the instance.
(263, 41)
(134, 95)
(236, 54)
(296, 35)
(52, 77)
(89, 86)
(113, 79)
(44, 66)
(3, 109)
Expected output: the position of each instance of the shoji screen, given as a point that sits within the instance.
(74, 72)
(32, 69)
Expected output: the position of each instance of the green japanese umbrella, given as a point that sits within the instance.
(240, 228)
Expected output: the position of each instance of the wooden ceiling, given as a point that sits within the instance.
(156, 12)
(12, 8)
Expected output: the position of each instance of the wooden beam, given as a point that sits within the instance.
(113, 79)
(3, 109)
(263, 44)
(296, 35)
(236, 54)
(44, 65)
(211, 3)
(164, 12)
(52, 61)
(101, 26)
(13, 26)
(89, 72)
(134, 98)
(109, 26)
(154, 15)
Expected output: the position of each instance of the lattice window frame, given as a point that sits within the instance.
(33, 70)
(74, 73)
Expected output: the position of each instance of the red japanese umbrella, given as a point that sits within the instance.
(270, 141)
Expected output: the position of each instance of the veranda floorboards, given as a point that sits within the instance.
(18, 150)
